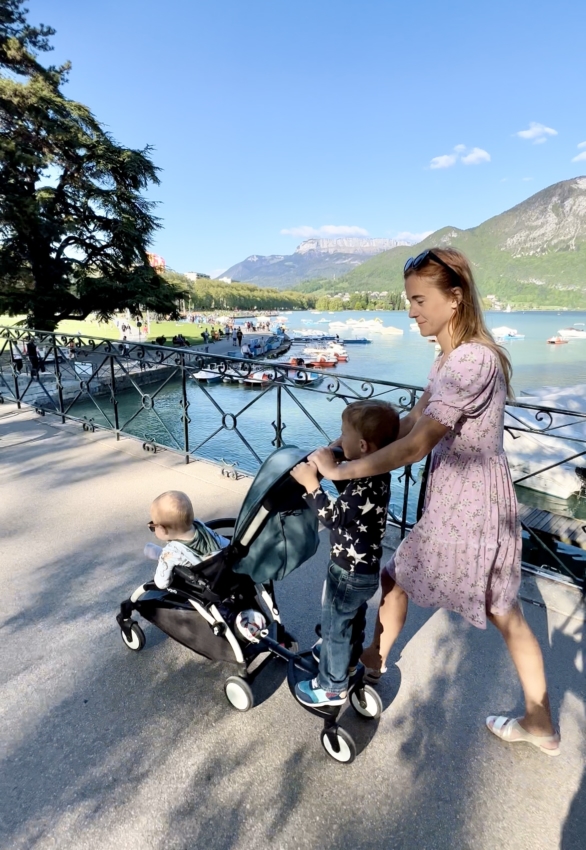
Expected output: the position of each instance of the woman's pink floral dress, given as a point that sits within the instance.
(464, 554)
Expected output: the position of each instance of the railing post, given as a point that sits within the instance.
(113, 396)
(407, 474)
(279, 423)
(422, 488)
(184, 405)
(15, 376)
(58, 379)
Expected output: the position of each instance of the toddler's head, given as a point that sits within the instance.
(368, 426)
(171, 515)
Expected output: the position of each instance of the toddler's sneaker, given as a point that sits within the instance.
(310, 693)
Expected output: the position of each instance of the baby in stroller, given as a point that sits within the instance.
(188, 539)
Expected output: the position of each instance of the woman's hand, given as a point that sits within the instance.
(306, 475)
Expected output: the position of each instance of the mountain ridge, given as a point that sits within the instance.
(313, 258)
(533, 254)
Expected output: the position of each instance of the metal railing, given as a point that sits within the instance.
(236, 411)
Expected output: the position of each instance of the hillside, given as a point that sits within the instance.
(314, 258)
(533, 255)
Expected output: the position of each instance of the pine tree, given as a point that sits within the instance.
(74, 224)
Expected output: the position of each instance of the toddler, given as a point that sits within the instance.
(357, 522)
(189, 540)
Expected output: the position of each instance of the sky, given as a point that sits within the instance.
(273, 121)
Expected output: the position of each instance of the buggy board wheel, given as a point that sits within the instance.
(238, 693)
(137, 639)
(339, 744)
(371, 706)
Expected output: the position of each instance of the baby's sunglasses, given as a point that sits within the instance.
(413, 264)
(151, 526)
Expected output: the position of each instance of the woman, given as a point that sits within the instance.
(464, 554)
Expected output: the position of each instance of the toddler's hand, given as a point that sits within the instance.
(324, 460)
(306, 475)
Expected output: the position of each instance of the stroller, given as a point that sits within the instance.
(224, 608)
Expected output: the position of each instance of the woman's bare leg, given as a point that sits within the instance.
(389, 622)
(528, 660)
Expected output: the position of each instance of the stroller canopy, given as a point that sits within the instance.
(276, 531)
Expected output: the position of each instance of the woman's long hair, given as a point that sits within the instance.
(467, 323)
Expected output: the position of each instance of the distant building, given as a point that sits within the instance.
(156, 262)
(225, 279)
(197, 276)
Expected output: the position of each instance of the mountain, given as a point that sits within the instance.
(533, 255)
(314, 258)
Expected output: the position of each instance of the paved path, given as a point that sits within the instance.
(104, 748)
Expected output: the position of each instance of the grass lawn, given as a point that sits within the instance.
(191, 332)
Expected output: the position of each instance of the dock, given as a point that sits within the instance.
(566, 529)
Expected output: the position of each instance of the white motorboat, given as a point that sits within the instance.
(504, 334)
(577, 331)
(528, 453)
(207, 376)
(413, 326)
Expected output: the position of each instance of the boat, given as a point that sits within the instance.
(207, 376)
(529, 453)
(322, 361)
(557, 340)
(358, 341)
(504, 334)
(334, 349)
(577, 331)
(259, 379)
(413, 326)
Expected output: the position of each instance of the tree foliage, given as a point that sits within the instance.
(215, 295)
(74, 224)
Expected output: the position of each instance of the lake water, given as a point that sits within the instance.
(408, 358)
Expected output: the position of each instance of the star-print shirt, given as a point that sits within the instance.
(357, 520)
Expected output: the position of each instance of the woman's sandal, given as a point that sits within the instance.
(372, 675)
(510, 730)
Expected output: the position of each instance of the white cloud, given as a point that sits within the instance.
(580, 158)
(305, 231)
(526, 179)
(413, 238)
(473, 157)
(476, 156)
(445, 161)
(581, 145)
(537, 133)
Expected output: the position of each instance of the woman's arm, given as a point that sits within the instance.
(421, 439)
(408, 422)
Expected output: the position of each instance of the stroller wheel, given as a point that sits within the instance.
(137, 639)
(339, 744)
(238, 693)
(370, 706)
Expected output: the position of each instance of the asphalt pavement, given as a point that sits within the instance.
(101, 747)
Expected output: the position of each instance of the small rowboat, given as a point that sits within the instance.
(207, 376)
(557, 340)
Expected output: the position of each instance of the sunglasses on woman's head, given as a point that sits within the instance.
(413, 264)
